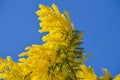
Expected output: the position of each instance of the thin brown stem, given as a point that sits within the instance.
(72, 70)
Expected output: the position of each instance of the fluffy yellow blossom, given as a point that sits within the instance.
(117, 77)
(12, 70)
(107, 75)
(59, 58)
(86, 73)
(61, 41)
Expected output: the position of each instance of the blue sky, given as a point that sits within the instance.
(98, 19)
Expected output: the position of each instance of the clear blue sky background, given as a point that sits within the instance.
(98, 19)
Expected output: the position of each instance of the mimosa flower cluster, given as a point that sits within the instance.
(60, 57)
